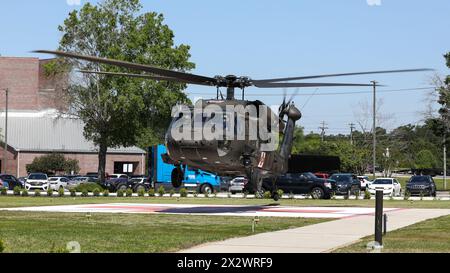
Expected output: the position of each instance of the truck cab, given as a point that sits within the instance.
(192, 179)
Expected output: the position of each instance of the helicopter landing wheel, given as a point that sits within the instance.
(275, 196)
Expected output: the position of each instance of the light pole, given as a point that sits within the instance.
(5, 152)
(374, 126)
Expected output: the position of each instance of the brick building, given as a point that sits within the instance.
(35, 130)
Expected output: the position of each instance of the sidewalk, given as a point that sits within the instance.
(322, 237)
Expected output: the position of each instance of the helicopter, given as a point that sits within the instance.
(244, 138)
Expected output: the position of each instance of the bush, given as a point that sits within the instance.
(85, 193)
(129, 192)
(120, 193)
(50, 192)
(267, 195)
(172, 192)
(96, 192)
(37, 192)
(105, 193)
(141, 192)
(161, 191)
(61, 192)
(24, 193)
(280, 193)
(183, 192)
(90, 187)
(367, 195)
(16, 191)
(2, 246)
(73, 192)
(407, 195)
(151, 192)
(3, 191)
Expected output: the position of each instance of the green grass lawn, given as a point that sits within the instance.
(428, 236)
(25, 232)
(11, 201)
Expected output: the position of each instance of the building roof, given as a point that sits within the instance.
(51, 134)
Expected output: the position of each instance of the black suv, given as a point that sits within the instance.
(346, 183)
(303, 183)
(421, 185)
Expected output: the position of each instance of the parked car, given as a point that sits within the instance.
(364, 181)
(225, 183)
(322, 175)
(73, 183)
(140, 183)
(11, 180)
(37, 181)
(303, 183)
(4, 185)
(421, 185)
(346, 183)
(114, 176)
(22, 180)
(123, 182)
(58, 182)
(237, 184)
(390, 186)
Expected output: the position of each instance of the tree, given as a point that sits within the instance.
(425, 160)
(121, 111)
(52, 164)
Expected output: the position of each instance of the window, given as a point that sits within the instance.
(382, 182)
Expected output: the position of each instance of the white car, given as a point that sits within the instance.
(57, 183)
(37, 181)
(238, 185)
(117, 175)
(364, 181)
(390, 186)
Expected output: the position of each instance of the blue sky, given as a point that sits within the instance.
(265, 39)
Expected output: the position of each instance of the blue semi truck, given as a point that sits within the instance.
(193, 180)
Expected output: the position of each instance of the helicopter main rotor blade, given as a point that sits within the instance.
(301, 84)
(192, 78)
(342, 75)
(142, 76)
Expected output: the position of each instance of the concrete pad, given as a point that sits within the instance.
(317, 238)
(216, 210)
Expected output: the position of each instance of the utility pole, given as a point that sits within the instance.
(445, 166)
(5, 152)
(323, 128)
(374, 127)
(352, 127)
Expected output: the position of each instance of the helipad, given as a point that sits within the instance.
(219, 210)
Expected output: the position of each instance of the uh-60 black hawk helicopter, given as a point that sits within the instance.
(228, 154)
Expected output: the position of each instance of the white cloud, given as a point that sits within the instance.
(73, 2)
(374, 2)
